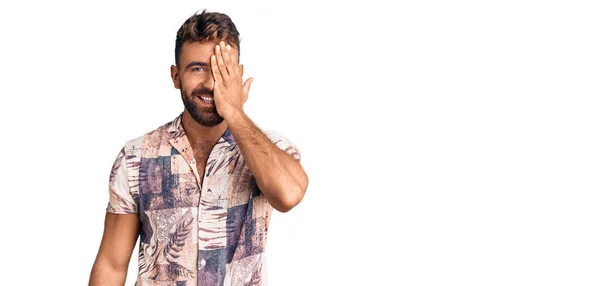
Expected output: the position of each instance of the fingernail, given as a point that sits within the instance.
(228, 47)
(218, 47)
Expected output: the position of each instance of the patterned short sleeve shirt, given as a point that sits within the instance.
(192, 234)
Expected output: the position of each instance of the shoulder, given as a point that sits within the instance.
(275, 136)
(283, 143)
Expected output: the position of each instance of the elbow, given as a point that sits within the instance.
(291, 197)
(111, 265)
(284, 207)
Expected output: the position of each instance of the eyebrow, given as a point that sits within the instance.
(201, 64)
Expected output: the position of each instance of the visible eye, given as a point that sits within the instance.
(198, 69)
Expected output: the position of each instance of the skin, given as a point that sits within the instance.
(120, 234)
(209, 66)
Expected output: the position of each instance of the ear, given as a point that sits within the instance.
(242, 69)
(175, 77)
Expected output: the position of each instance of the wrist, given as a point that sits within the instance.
(233, 115)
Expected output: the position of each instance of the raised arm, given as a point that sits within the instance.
(120, 234)
(278, 175)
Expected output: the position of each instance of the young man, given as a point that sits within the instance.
(200, 190)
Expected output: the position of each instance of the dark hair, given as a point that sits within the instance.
(205, 27)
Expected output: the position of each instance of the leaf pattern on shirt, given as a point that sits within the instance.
(176, 270)
(229, 160)
(153, 176)
(177, 239)
(124, 206)
(157, 269)
(116, 166)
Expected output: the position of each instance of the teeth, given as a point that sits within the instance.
(206, 98)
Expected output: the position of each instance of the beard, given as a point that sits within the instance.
(205, 116)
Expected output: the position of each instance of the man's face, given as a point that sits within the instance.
(195, 80)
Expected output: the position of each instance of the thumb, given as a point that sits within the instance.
(247, 87)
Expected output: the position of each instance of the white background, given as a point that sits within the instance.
(446, 143)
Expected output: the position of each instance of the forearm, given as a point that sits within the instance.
(104, 275)
(280, 178)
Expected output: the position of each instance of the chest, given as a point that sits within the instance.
(201, 161)
(201, 154)
(200, 208)
(215, 178)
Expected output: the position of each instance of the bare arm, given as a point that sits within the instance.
(278, 175)
(280, 178)
(120, 234)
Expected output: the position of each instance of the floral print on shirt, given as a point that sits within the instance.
(214, 234)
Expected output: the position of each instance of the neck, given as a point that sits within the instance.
(199, 134)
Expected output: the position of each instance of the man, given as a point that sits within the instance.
(199, 190)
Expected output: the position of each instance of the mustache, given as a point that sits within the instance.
(203, 91)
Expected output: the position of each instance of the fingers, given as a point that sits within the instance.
(231, 67)
(225, 59)
(215, 69)
(221, 62)
(225, 67)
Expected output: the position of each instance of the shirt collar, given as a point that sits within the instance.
(175, 128)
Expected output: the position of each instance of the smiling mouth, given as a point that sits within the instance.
(207, 99)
